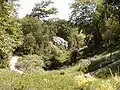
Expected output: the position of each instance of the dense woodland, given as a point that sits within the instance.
(92, 33)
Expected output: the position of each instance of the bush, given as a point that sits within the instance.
(3, 63)
(56, 56)
(31, 63)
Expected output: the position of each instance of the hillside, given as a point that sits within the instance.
(81, 53)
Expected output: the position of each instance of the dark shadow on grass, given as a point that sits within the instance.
(101, 67)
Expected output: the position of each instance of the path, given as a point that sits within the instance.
(12, 64)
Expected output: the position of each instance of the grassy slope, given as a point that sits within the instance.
(37, 81)
(68, 79)
(52, 80)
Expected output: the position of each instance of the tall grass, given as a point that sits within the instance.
(36, 81)
(53, 80)
(66, 79)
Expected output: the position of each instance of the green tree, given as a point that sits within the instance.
(41, 10)
(33, 34)
(99, 20)
(109, 21)
(85, 17)
(69, 32)
(38, 40)
(10, 33)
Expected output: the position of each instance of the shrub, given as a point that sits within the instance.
(31, 63)
(3, 63)
(56, 56)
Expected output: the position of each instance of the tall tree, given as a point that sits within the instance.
(41, 10)
(84, 16)
(10, 34)
(109, 19)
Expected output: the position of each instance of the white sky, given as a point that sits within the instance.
(61, 5)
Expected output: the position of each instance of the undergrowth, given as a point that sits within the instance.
(71, 78)
(55, 80)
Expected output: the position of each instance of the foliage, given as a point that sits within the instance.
(11, 36)
(82, 14)
(93, 23)
(38, 40)
(53, 80)
(67, 31)
(43, 80)
(112, 34)
(95, 83)
(41, 10)
(56, 56)
(35, 35)
(31, 63)
(99, 21)
(4, 63)
(109, 22)
(29, 44)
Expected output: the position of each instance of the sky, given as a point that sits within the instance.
(61, 5)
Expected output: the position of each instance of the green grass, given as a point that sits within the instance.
(67, 79)
(99, 84)
(52, 80)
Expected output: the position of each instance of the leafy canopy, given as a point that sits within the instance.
(41, 10)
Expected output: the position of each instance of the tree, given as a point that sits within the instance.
(69, 32)
(10, 34)
(99, 20)
(85, 17)
(38, 37)
(33, 35)
(109, 19)
(41, 10)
